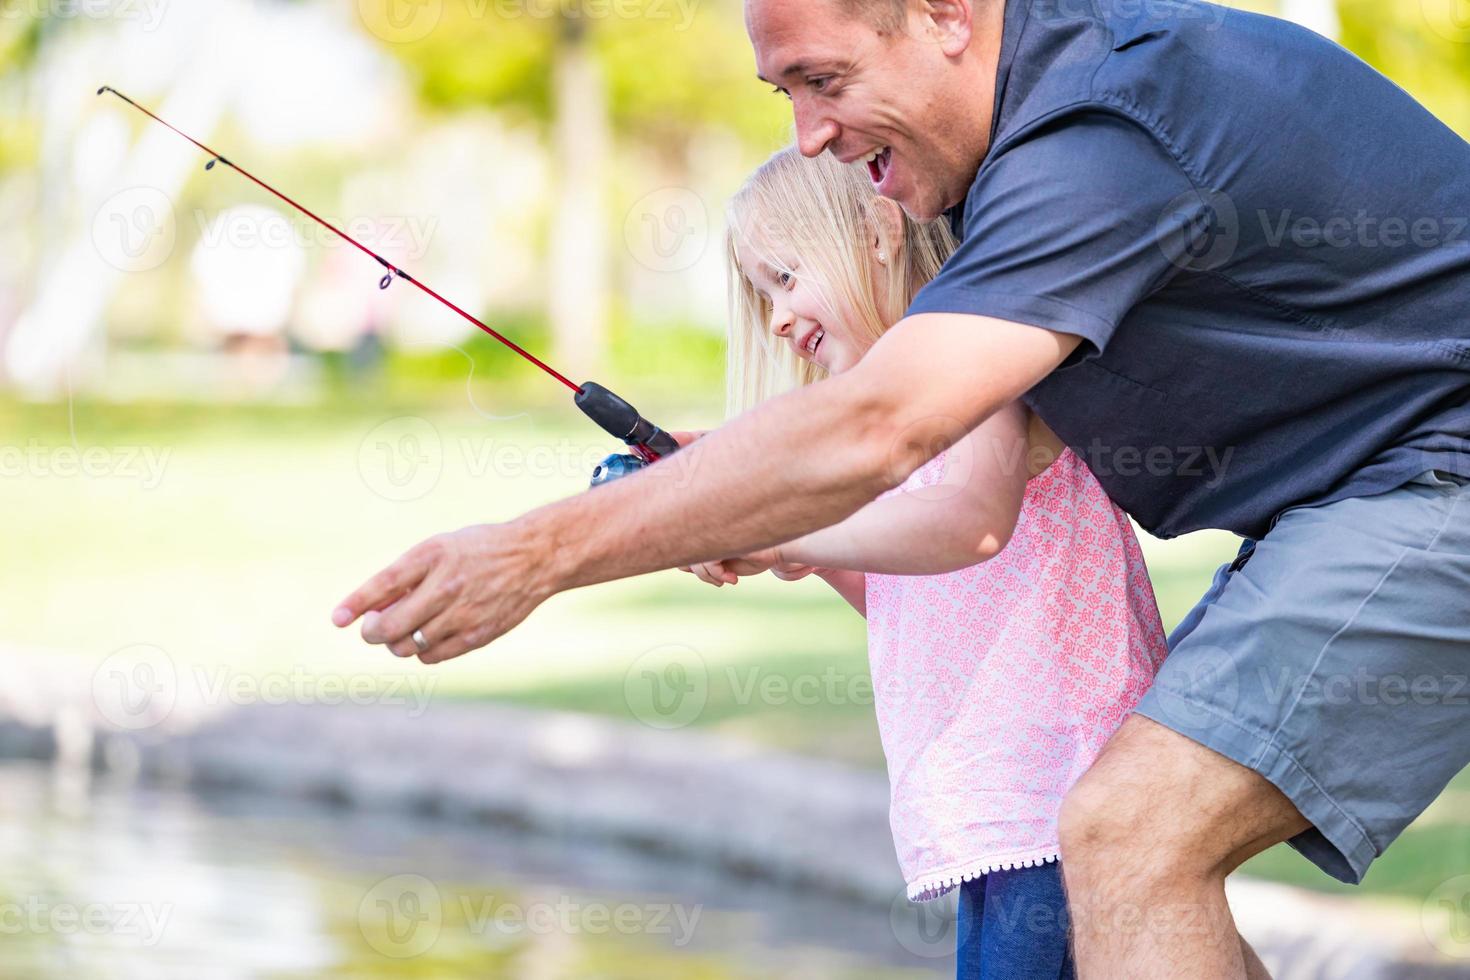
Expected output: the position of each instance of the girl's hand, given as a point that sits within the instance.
(790, 571)
(728, 571)
(711, 573)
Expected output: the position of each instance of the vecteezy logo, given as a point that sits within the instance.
(924, 440)
(1202, 686)
(135, 687)
(667, 230)
(1450, 19)
(401, 459)
(1199, 230)
(667, 687)
(401, 916)
(400, 21)
(134, 230)
(929, 929)
(1446, 917)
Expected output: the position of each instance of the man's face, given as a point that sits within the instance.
(888, 101)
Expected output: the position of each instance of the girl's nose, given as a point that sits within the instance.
(781, 323)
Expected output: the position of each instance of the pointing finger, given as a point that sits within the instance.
(384, 588)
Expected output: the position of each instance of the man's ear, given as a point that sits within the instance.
(950, 24)
(887, 239)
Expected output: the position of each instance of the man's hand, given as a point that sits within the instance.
(793, 465)
(461, 589)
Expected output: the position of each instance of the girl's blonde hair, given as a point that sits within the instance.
(824, 212)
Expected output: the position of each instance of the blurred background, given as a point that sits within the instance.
(213, 425)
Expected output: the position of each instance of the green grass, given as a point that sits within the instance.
(1430, 851)
(265, 517)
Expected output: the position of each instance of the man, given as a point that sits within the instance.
(1228, 263)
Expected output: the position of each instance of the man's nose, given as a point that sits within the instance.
(814, 128)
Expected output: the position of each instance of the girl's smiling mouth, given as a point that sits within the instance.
(812, 341)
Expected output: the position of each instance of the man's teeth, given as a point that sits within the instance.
(874, 155)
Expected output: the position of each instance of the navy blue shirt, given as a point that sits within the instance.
(1263, 242)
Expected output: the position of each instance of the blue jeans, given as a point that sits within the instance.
(1013, 926)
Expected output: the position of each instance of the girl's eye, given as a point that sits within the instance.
(785, 279)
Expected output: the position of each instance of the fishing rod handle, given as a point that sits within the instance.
(621, 420)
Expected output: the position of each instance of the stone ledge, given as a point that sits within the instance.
(798, 821)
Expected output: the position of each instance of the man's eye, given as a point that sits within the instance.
(781, 91)
(819, 84)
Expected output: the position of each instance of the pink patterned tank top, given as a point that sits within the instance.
(996, 686)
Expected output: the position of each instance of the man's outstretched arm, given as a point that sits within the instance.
(793, 465)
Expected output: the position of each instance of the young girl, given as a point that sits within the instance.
(1011, 624)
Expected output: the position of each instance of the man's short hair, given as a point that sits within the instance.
(885, 16)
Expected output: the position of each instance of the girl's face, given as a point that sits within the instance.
(800, 314)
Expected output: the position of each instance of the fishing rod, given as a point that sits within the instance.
(613, 414)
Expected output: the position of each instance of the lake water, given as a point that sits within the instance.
(110, 880)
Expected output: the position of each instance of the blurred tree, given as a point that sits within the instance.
(581, 151)
(20, 46)
(77, 268)
(657, 72)
(1424, 45)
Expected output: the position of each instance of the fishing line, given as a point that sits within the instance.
(608, 410)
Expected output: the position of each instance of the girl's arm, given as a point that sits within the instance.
(964, 519)
(852, 586)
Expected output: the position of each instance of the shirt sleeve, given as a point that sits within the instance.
(1070, 228)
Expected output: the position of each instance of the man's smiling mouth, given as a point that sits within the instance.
(878, 163)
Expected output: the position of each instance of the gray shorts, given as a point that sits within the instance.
(1333, 657)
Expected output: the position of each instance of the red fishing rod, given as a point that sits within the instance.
(612, 413)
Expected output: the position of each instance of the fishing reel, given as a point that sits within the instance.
(615, 467)
(620, 420)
